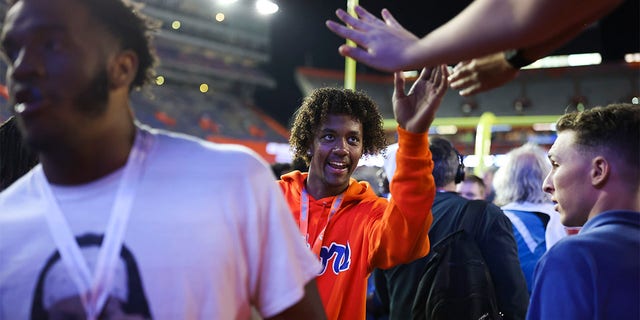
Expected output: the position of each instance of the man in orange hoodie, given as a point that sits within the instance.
(349, 228)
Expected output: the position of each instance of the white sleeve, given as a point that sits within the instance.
(280, 262)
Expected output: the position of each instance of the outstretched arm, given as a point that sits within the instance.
(401, 234)
(491, 71)
(484, 27)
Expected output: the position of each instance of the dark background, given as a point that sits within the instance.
(300, 38)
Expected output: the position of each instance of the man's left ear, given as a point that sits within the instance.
(123, 69)
(600, 171)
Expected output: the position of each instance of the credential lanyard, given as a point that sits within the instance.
(94, 291)
(304, 219)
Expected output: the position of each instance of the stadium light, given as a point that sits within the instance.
(266, 7)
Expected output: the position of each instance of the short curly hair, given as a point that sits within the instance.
(335, 101)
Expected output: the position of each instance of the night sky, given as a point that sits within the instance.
(300, 38)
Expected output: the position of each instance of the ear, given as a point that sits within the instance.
(122, 69)
(600, 171)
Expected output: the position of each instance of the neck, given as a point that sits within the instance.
(620, 199)
(319, 190)
(91, 158)
(449, 187)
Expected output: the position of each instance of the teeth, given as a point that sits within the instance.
(338, 164)
(20, 107)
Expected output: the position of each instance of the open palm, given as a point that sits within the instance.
(415, 110)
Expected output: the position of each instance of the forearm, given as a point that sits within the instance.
(488, 26)
(402, 233)
(535, 52)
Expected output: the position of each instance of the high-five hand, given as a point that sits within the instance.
(382, 43)
(416, 110)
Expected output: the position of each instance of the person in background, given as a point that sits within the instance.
(536, 225)
(280, 168)
(347, 226)
(487, 178)
(397, 287)
(472, 187)
(15, 158)
(206, 224)
(595, 183)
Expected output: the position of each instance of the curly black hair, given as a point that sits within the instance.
(134, 31)
(335, 101)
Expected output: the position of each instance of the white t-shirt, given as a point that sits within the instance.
(209, 235)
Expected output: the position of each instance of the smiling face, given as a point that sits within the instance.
(57, 57)
(336, 150)
(569, 181)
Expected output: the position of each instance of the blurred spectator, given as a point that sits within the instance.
(280, 168)
(15, 158)
(487, 178)
(518, 187)
(397, 286)
(472, 187)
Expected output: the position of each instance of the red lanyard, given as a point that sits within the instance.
(304, 219)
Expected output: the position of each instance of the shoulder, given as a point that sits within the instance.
(20, 198)
(574, 252)
(182, 148)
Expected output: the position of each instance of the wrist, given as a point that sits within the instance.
(516, 59)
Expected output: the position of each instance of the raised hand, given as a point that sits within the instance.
(382, 43)
(481, 74)
(415, 110)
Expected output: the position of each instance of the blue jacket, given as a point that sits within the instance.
(592, 275)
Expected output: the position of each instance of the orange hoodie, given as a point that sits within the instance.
(367, 231)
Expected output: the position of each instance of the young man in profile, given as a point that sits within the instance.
(595, 183)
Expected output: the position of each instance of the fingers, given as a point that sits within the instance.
(399, 81)
(341, 30)
(438, 79)
(461, 65)
(460, 71)
(475, 88)
(366, 15)
(426, 74)
(389, 19)
(349, 19)
(356, 53)
(464, 82)
(347, 33)
(441, 82)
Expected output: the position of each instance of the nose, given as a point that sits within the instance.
(547, 185)
(26, 65)
(340, 151)
(340, 147)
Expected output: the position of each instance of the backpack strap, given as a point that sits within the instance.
(472, 213)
